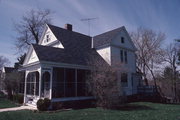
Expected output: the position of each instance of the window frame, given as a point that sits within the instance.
(124, 79)
(125, 57)
(121, 56)
(122, 40)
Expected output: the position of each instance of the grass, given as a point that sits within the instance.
(5, 103)
(133, 111)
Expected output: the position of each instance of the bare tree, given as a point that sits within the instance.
(149, 45)
(165, 82)
(30, 28)
(171, 56)
(3, 61)
(104, 84)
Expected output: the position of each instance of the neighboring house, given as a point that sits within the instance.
(56, 68)
(6, 71)
(3, 72)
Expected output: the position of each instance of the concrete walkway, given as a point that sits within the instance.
(18, 108)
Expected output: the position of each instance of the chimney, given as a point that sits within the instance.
(68, 27)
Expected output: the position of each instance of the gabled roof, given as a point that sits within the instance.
(106, 38)
(75, 56)
(71, 39)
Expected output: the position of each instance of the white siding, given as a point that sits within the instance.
(33, 57)
(129, 68)
(131, 59)
(105, 54)
(52, 38)
(127, 41)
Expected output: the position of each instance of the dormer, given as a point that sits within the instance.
(49, 39)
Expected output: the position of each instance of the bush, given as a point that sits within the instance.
(43, 105)
(2, 95)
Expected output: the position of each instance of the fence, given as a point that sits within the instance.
(146, 90)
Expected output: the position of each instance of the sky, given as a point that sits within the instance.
(158, 15)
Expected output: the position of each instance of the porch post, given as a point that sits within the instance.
(76, 82)
(51, 77)
(40, 79)
(25, 87)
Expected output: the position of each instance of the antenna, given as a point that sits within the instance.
(88, 20)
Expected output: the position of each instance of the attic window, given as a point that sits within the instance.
(122, 39)
(47, 38)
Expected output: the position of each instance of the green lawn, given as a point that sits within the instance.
(4, 103)
(133, 111)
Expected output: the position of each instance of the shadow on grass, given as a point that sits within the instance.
(132, 107)
(126, 107)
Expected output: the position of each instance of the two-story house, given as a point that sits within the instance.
(57, 66)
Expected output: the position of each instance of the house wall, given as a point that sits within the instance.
(131, 58)
(129, 67)
(111, 55)
(105, 52)
(128, 44)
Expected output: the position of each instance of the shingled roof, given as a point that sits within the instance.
(59, 55)
(77, 48)
(106, 38)
(71, 39)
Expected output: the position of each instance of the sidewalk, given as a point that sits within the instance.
(18, 108)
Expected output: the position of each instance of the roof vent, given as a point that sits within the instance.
(68, 27)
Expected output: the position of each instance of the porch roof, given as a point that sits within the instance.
(69, 56)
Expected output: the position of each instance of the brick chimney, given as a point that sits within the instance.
(68, 27)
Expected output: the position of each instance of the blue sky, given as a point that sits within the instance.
(159, 15)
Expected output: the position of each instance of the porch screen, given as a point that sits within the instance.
(32, 83)
(58, 83)
(68, 83)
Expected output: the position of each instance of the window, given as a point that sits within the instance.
(47, 38)
(121, 55)
(125, 56)
(124, 79)
(122, 39)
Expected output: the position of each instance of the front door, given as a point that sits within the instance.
(45, 89)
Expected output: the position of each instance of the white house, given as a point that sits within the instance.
(56, 68)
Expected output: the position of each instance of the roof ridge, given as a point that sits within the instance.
(119, 28)
(67, 30)
(47, 46)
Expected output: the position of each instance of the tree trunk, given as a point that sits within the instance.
(144, 73)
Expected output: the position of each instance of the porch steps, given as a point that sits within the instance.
(32, 103)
